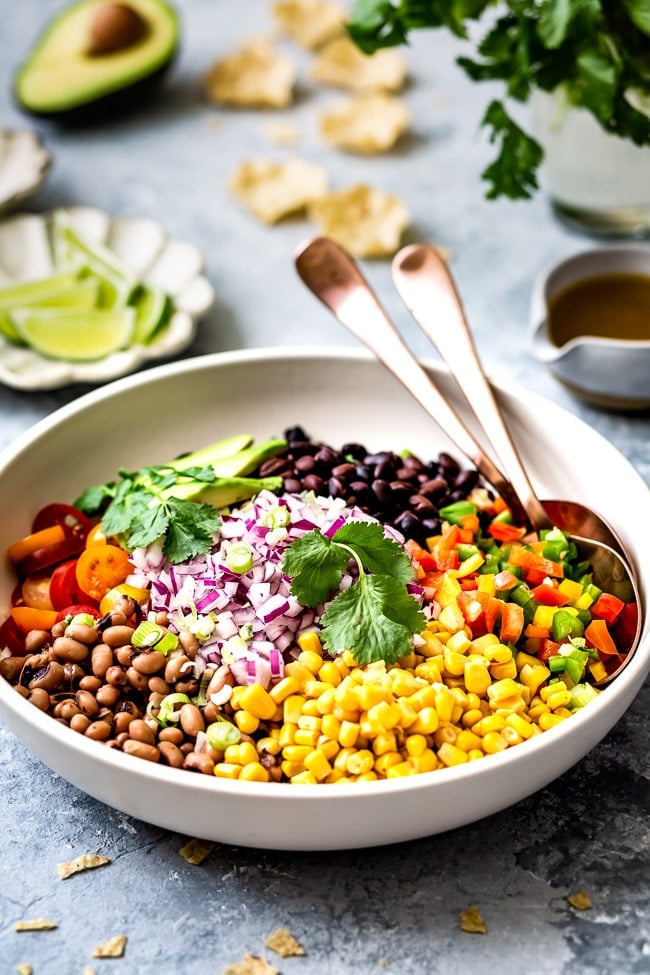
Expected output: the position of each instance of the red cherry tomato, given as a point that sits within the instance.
(73, 521)
(64, 588)
(12, 637)
(75, 609)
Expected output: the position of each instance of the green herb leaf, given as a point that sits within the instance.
(191, 529)
(512, 173)
(374, 619)
(149, 526)
(93, 499)
(315, 566)
(377, 553)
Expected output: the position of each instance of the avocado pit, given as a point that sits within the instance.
(115, 26)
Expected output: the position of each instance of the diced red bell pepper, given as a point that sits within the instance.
(512, 622)
(549, 595)
(548, 648)
(624, 630)
(533, 562)
(501, 531)
(607, 607)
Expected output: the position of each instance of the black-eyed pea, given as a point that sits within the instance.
(117, 636)
(82, 632)
(141, 749)
(49, 677)
(121, 738)
(121, 722)
(58, 629)
(10, 668)
(171, 754)
(116, 676)
(191, 720)
(101, 658)
(139, 730)
(189, 643)
(65, 648)
(189, 687)
(73, 673)
(137, 680)
(66, 709)
(87, 703)
(39, 698)
(187, 747)
(35, 640)
(173, 735)
(99, 730)
(162, 617)
(210, 713)
(124, 655)
(79, 722)
(199, 762)
(174, 668)
(108, 695)
(88, 682)
(159, 686)
(149, 662)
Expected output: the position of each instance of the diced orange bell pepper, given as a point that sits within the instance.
(549, 595)
(512, 622)
(597, 635)
(533, 562)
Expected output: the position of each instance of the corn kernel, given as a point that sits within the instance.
(454, 663)
(370, 694)
(384, 713)
(493, 742)
(241, 754)
(318, 765)
(498, 653)
(346, 697)
(246, 722)
(384, 743)
(311, 707)
(341, 760)
(349, 659)
(309, 722)
(329, 674)
(423, 698)
(491, 722)
(335, 776)
(269, 745)
(254, 772)
(549, 720)
(459, 642)
(342, 715)
(399, 770)
(360, 762)
(311, 660)
(296, 753)
(407, 713)
(426, 722)
(467, 740)
(477, 676)
(330, 726)
(370, 776)
(314, 688)
(426, 762)
(475, 753)
(445, 701)
(481, 643)
(292, 708)
(386, 761)
(403, 684)
(310, 642)
(304, 778)
(348, 734)
(305, 737)
(329, 747)
(284, 687)
(431, 646)
(503, 671)
(520, 725)
(415, 745)
(451, 755)
(503, 690)
(558, 699)
(551, 689)
(302, 674)
(471, 716)
(534, 675)
(227, 770)
(257, 701)
(445, 736)
(429, 670)
(287, 734)
(511, 736)
(289, 769)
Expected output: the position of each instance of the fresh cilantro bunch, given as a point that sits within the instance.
(140, 508)
(375, 618)
(597, 51)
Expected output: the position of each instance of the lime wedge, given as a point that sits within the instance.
(78, 294)
(152, 310)
(76, 335)
(74, 252)
(29, 292)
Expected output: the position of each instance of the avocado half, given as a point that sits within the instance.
(90, 54)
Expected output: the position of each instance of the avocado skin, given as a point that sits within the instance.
(126, 97)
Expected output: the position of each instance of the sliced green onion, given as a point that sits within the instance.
(222, 733)
(239, 557)
(581, 695)
(84, 618)
(152, 636)
(276, 517)
(169, 712)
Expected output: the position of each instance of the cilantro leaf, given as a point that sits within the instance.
(374, 619)
(152, 524)
(512, 173)
(315, 566)
(94, 498)
(377, 553)
(191, 528)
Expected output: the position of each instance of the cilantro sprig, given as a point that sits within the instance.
(141, 508)
(376, 617)
(595, 50)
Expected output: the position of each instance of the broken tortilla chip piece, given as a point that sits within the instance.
(580, 900)
(273, 190)
(311, 23)
(341, 64)
(370, 123)
(367, 222)
(255, 76)
(251, 965)
(114, 948)
(87, 861)
(196, 851)
(284, 944)
(471, 921)
(38, 924)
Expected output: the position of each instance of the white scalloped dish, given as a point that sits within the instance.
(24, 162)
(144, 249)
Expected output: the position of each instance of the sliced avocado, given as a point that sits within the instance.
(96, 51)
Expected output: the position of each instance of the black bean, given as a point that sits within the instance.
(356, 450)
(314, 483)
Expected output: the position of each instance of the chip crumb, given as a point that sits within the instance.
(365, 221)
(38, 924)
(195, 851)
(472, 921)
(113, 948)
(580, 900)
(255, 76)
(311, 23)
(88, 970)
(368, 124)
(282, 133)
(251, 965)
(87, 861)
(284, 944)
(24, 969)
(274, 190)
(341, 64)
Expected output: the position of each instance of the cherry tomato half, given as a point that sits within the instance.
(64, 588)
(100, 567)
(36, 591)
(28, 618)
(12, 637)
(44, 538)
(73, 521)
(48, 555)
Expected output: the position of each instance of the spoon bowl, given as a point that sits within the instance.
(427, 288)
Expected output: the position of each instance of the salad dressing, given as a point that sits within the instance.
(610, 306)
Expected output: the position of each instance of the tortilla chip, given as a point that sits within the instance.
(341, 64)
(251, 965)
(472, 922)
(196, 851)
(370, 123)
(311, 23)
(24, 969)
(87, 861)
(38, 924)
(255, 76)
(114, 948)
(284, 944)
(580, 900)
(273, 190)
(367, 222)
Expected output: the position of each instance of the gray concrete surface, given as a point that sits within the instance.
(392, 910)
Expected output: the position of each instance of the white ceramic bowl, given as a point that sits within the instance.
(337, 395)
(144, 248)
(606, 372)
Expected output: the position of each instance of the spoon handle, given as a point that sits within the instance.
(425, 285)
(335, 279)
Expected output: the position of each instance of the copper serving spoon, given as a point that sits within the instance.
(331, 274)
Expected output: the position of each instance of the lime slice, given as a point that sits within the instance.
(76, 335)
(29, 292)
(152, 310)
(73, 252)
(77, 294)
